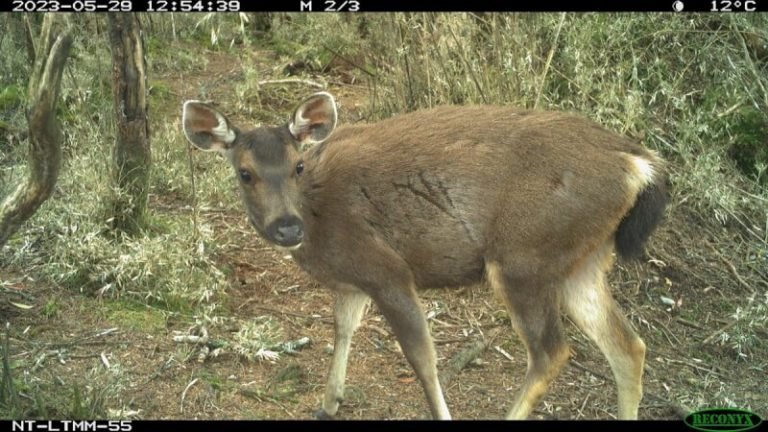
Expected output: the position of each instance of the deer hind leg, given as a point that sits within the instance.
(588, 301)
(348, 311)
(535, 312)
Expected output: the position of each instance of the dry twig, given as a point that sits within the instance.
(292, 81)
(465, 356)
(718, 332)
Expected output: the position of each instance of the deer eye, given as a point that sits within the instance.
(299, 168)
(245, 176)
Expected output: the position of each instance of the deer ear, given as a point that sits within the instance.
(314, 119)
(206, 128)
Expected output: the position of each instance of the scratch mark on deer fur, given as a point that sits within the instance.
(444, 191)
(430, 197)
(377, 227)
(376, 205)
(421, 194)
(426, 184)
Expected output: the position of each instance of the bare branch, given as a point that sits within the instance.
(44, 131)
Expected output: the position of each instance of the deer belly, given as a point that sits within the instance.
(446, 268)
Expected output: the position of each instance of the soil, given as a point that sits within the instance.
(153, 377)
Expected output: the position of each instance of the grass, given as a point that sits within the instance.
(136, 316)
(24, 395)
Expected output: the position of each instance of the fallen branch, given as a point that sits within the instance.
(349, 62)
(448, 341)
(718, 332)
(504, 353)
(581, 409)
(667, 332)
(736, 274)
(278, 312)
(589, 371)
(292, 81)
(184, 394)
(678, 410)
(85, 340)
(465, 356)
(261, 397)
(732, 268)
(377, 329)
(18, 292)
(689, 323)
(695, 366)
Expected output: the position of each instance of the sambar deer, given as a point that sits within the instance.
(537, 202)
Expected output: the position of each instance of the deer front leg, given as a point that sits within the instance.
(402, 310)
(348, 311)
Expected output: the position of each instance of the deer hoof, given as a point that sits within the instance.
(321, 414)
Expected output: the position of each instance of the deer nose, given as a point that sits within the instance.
(287, 231)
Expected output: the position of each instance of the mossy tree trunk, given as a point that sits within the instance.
(131, 157)
(262, 23)
(44, 156)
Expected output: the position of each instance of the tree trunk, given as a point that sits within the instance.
(131, 158)
(262, 23)
(44, 155)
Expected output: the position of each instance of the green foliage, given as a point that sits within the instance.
(743, 338)
(287, 382)
(221, 31)
(22, 397)
(9, 397)
(312, 42)
(15, 65)
(51, 308)
(136, 316)
(10, 97)
(14, 72)
(160, 93)
(259, 339)
(161, 57)
(749, 142)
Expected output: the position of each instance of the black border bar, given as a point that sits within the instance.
(527, 6)
(340, 426)
(160, 6)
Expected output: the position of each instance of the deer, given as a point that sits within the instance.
(537, 204)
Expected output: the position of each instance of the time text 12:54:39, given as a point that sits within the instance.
(193, 6)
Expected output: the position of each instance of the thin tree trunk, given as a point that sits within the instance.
(132, 157)
(44, 155)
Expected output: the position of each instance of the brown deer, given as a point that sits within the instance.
(537, 202)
